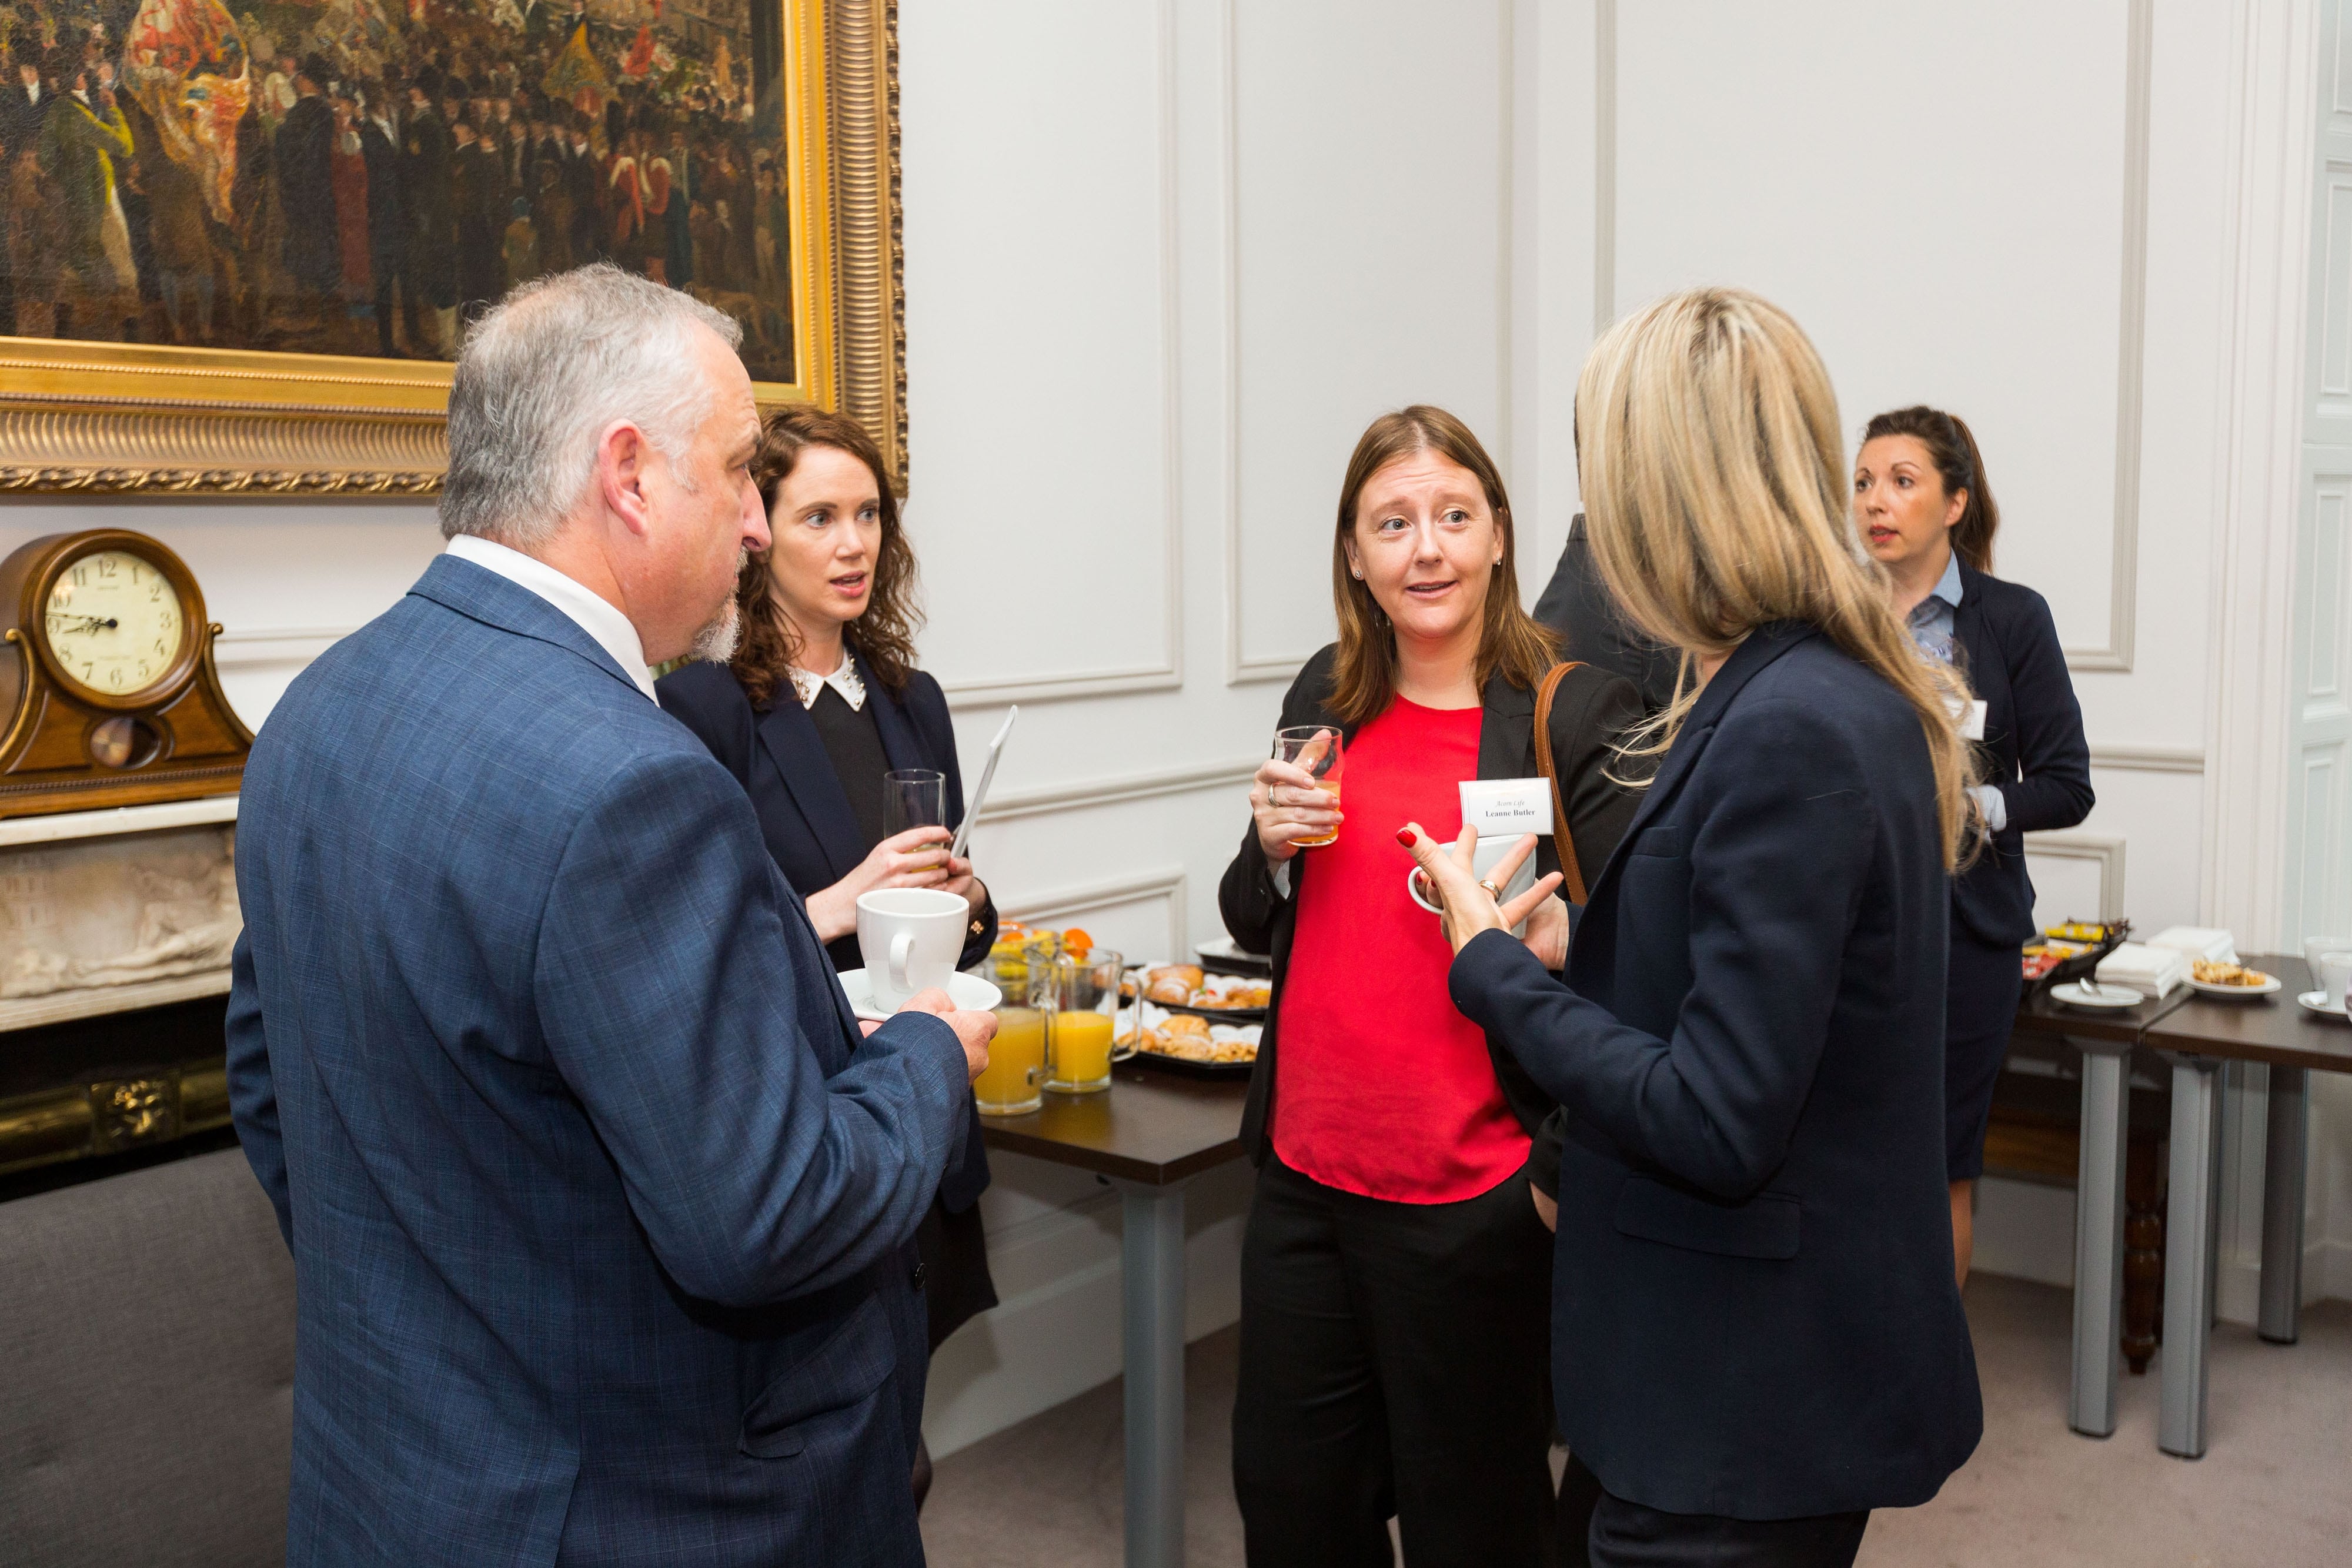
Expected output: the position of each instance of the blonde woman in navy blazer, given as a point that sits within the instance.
(1755, 1335)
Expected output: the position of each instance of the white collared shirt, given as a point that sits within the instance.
(844, 679)
(599, 619)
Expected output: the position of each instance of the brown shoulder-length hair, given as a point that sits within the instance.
(884, 636)
(1511, 643)
(1952, 448)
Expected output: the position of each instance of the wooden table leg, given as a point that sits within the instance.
(2143, 1249)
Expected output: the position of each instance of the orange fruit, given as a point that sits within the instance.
(1075, 940)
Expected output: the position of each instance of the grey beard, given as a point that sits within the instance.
(715, 643)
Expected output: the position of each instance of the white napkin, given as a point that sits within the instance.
(2199, 942)
(2154, 972)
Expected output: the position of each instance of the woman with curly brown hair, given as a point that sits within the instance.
(821, 699)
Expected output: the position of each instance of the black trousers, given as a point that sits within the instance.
(1394, 1360)
(1627, 1535)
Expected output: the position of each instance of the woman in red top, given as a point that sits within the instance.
(1395, 1278)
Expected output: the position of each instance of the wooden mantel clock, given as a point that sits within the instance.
(108, 692)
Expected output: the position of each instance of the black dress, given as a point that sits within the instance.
(814, 777)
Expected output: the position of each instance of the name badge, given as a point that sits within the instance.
(1972, 722)
(1506, 805)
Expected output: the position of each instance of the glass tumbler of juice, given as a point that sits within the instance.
(1078, 1046)
(1315, 751)
(1024, 972)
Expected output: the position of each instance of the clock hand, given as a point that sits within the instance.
(91, 623)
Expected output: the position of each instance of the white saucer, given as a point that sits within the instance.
(967, 991)
(2235, 993)
(2105, 998)
(2317, 1002)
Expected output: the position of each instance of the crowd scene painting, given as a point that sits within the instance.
(366, 176)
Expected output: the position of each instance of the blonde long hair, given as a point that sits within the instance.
(1716, 495)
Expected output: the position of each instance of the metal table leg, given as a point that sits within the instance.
(2099, 1234)
(2281, 1318)
(1151, 1256)
(2188, 1277)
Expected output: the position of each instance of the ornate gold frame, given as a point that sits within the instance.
(116, 418)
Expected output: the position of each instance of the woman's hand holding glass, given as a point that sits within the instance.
(916, 857)
(1469, 903)
(1289, 807)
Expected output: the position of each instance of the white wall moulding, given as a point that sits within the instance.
(1005, 805)
(1067, 903)
(1604, 165)
(2148, 758)
(2131, 352)
(275, 645)
(2105, 850)
(2251, 730)
(990, 693)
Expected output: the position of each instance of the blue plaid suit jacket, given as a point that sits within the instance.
(600, 1208)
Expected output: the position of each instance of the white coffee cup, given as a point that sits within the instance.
(909, 937)
(1489, 852)
(2332, 972)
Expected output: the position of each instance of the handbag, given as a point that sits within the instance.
(1563, 841)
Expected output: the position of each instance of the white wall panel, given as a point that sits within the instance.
(1938, 194)
(1040, 212)
(1370, 221)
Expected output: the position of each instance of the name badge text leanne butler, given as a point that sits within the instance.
(1506, 806)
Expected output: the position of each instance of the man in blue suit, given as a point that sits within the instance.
(601, 1209)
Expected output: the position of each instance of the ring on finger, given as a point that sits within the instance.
(1493, 892)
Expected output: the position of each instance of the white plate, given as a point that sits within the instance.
(2317, 1002)
(967, 991)
(2104, 999)
(2206, 988)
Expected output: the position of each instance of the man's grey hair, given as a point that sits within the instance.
(545, 372)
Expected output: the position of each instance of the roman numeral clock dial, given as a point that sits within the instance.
(108, 692)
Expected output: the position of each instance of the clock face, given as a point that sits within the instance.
(114, 623)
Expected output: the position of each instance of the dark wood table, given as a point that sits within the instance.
(1150, 1134)
(2198, 1035)
(2106, 1038)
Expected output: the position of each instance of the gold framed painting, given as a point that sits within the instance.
(240, 239)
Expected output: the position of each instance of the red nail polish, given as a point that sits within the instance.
(1404, 837)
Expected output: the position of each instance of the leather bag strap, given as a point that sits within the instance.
(1562, 839)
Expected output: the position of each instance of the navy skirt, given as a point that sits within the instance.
(1979, 1009)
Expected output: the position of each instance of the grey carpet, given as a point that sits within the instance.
(2274, 1490)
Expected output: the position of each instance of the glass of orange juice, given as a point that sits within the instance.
(1024, 970)
(1314, 749)
(1079, 1035)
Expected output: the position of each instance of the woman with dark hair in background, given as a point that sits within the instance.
(1926, 514)
(822, 698)
(1394, 1294)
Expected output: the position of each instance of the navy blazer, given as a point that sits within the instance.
(805, 818)
(1752, 1302)
(2032, 751)
(601, 1208)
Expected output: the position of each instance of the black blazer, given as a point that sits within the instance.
(804, 814)
(2033, 749)
(1579, 606)
(1753, 1312)
(1591, 709)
